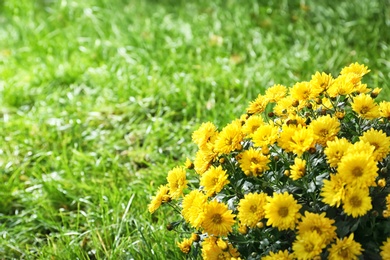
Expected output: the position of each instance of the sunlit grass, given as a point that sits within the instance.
(99, 99)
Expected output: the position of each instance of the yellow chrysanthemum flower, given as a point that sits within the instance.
(258, 105)
(285, 137)
(203, 159)
(265, 135)
(356, 202)
(282, 211)
(335, 150)
(356, 68)
(280, 255)
(302, 140)
(345, 249)
(213, 180)
(251, 208)
(253, 162)
(325, 129)
(185, 245)
(177, 181)
(384, 109)
(298, 169)
(365, 106)
(385, 250)
(308, 246)
(209, 244)
(321, 81)
(230, 138)
(358, 169)
(379, 140)
(211, 250)
(343, 85)
(218, 219)
(276, 93)
(285, 107)
(303, 91)
(204, 135)
(252, 124)
(161, 197)
(318, 223)
(361, 147)
(333, 190)
(193, 207)
(362, 88)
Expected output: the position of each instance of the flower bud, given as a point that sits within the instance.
(374, 95)
(375, 92)
(260, 224)
(291, 122)
(382, 182)
(188, 164)
(340, 114)
(243, 229)
(170, 227)
(195, 237)
(223, 245)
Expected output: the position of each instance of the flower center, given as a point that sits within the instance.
(283, 212)
(229, 141)
(221, 256)
(253, 208)
(308, 247)
(344, 253)
(375, 145)
(364, 110)
(324, 132)
(355, 201)
(217, 218)
(254, 160)
(357, 172)
(317, 229)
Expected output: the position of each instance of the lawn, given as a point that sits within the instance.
(98, 100)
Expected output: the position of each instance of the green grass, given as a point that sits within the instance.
(99, 99)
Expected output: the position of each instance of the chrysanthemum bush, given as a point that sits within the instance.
(303, 174)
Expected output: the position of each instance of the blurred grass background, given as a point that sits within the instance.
(98, 100)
